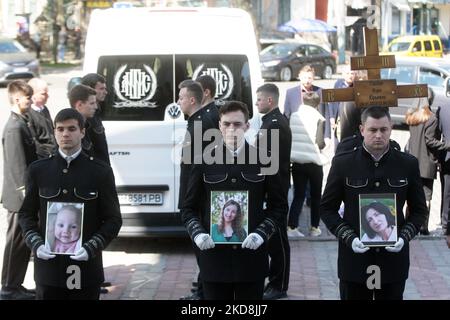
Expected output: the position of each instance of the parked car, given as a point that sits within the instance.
(416, 46)
(283, 61)
(16, 62)
(430, 71)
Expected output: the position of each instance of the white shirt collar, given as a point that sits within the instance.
(36, 108)
(238, 150)
(71, 158)
(376, 158)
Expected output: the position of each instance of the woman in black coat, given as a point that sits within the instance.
(419, 130)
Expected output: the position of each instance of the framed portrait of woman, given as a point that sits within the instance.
(378, 219)
(64, 227)
(229, 216)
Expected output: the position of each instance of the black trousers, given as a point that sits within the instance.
(57, 293)
(16, 255)
(301, 173)
(280, 259)
(359, 291)
(233, 291)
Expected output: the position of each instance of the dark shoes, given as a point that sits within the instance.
(274, 294)
(19, 293)
(194, 296)
(424, 232)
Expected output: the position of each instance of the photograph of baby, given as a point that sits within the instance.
(378, 219)
(229, 216)
(64, 229)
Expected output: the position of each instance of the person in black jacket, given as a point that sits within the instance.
(273, 120)
(234, 271)
(417, 120)
(18, 153)
(209, 92)
(41, 125)
(82, 99)
(94, 127)
(70, 176)
(199, 121)
(374, 168)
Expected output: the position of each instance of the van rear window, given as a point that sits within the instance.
(141, 87)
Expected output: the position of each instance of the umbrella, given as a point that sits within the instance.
(306, 25)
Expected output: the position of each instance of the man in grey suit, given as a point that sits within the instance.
(18, 153)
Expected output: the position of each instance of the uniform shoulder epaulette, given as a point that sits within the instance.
(98, 161)
(345, 152)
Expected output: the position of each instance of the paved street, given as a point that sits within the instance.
(164, 269)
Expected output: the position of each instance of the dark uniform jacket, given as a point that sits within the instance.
(41, 128)
(189, 151)
(354, 173)
(276, 120)
(227, 262)
(18, 153)
(86, 180)
(94, 142)
(212, 111)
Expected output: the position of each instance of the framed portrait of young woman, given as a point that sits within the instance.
(378, 219)
(229, 216)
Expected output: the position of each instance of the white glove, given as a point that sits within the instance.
(43, 253)
(253, 241)
(80, 255)
(204, 241)
(358, 246)
(397, 247)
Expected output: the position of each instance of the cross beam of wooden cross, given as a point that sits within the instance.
(374, 91)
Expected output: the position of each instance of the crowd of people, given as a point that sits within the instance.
(62, 204)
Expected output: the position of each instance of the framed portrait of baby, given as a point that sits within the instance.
(64, 228)
(229, 216)
(378, 219)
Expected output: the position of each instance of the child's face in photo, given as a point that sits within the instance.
(67, 228)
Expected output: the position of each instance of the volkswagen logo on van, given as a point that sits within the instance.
(223, 76)
(135, 87)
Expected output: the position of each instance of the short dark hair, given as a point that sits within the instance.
(376, 112)
(19, 86)
(231, 106)
(91, 79)
(193, 88)
(271, 90)
(69, 114)
(207, 82)
(381, 208)
(80, 93)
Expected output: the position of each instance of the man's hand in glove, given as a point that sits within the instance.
(204, 241)
(253, 241)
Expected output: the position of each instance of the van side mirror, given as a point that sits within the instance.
(72, 83)
(447, 87)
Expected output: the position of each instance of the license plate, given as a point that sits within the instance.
(136, 199)
(20, 70)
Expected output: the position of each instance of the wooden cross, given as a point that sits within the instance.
(374, 91)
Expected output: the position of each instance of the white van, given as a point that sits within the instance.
(144, 54)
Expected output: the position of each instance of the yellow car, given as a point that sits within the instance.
(416, 46)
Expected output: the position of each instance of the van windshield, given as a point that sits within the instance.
(140, 88)
(399, 46)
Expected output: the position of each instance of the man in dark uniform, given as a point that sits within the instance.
(209, 92)
(199, 121)
(273, 120)
(234, 271)
(18, 153)
(376, 169)
(82, 99)
(41, 125)
(70, 177)
(94, 128)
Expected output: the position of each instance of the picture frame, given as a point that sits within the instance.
(378, 219)
(229, 216)
(64, 227)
